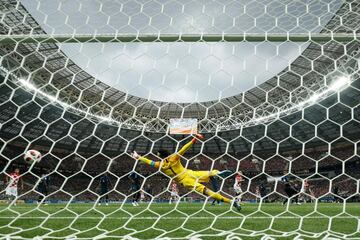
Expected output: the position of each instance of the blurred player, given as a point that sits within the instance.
(43, 187)
(105, 185)
(239, 179)
(192, 180)
(306, 189)
(12, 182)
(257, 194)
(289, 189)
(215, 187)
(174, 195)
(263, 191)
(142, 196)
(337, 199)
(135, 188)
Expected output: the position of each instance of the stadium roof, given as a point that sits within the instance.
(74, 86)
(56, 74)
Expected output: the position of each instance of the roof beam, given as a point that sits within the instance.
(87, 38)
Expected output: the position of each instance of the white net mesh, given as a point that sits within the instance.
(274, 85)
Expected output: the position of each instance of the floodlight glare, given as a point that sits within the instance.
(54, 99)
(27, 84)
(340, 83)
(314, 98)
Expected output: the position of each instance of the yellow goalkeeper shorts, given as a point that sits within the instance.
(193, 179)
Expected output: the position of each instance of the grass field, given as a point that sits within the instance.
(117, 221)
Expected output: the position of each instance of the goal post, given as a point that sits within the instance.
(164, 37)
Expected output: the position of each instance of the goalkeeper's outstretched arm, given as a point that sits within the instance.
(157, 164)
(152, 163)
(189, 144)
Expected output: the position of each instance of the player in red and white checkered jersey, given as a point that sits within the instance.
(306, 189)
(174, 195)
(237, 185)
(12, 182)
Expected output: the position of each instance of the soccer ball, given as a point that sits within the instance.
(32, 156)
(254, 160)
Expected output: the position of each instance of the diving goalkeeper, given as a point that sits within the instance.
(172, 167)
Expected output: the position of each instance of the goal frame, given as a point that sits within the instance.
(164, 37)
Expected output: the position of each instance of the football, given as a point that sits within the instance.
(32, 156)
(254, 160)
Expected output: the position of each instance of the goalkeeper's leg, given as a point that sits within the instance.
(206, 176)
(217, 196)
(193, 182)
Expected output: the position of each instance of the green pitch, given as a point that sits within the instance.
(163, 220)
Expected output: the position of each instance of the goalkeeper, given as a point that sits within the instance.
(192, 180)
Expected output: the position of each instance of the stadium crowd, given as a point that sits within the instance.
(75, 178)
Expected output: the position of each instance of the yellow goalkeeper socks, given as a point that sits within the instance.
(218, 196)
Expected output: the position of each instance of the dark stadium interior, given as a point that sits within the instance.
(77, 148)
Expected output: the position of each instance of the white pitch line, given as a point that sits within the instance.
(152, 206)
(175, 218)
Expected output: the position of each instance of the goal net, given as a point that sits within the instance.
(92, 85)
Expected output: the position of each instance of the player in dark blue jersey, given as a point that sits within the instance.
(43, 187)
(215, 186)
(105, 185)
(135, 188)
(289, 188)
